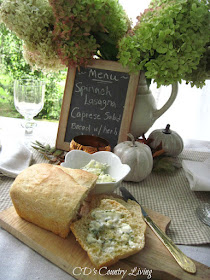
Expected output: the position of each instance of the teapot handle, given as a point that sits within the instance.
(170, 101)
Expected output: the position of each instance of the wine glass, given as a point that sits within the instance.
(29, 100)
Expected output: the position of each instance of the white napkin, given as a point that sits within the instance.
(198, 174)
(14, 157)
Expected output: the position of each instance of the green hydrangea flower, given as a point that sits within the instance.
(85, 28)
(169, 42)
(33, 22)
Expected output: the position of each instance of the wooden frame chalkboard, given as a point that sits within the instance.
(98, 100)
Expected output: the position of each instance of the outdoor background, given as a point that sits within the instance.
(189, 115)
(13, 66)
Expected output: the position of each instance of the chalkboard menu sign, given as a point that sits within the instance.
(98, 100)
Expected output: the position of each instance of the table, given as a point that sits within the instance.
(19, 261)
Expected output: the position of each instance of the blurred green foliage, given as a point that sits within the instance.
(14, 66)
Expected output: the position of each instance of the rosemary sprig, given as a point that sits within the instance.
(51, 154)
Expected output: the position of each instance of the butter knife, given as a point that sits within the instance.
(186, 263)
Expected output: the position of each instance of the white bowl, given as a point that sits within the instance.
(77, 159)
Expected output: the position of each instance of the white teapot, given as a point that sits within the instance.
(145, 110)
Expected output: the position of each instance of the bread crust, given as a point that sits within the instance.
(82, 177)
(49, 197)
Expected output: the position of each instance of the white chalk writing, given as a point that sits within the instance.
(81, 89)
(76, 113)
(97, 75)
(102, 103)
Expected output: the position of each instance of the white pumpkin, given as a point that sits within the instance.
(138, 156)
(171, 142)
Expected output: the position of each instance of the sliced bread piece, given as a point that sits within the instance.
(110, 232)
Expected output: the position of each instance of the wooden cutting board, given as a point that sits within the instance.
(154, 260)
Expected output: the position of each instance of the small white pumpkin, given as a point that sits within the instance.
(170, 140)
(138, 156)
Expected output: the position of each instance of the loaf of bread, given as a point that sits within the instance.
(50, 196)
(78, 176)
(112, 230)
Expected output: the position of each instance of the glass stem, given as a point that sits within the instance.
(29, 124)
